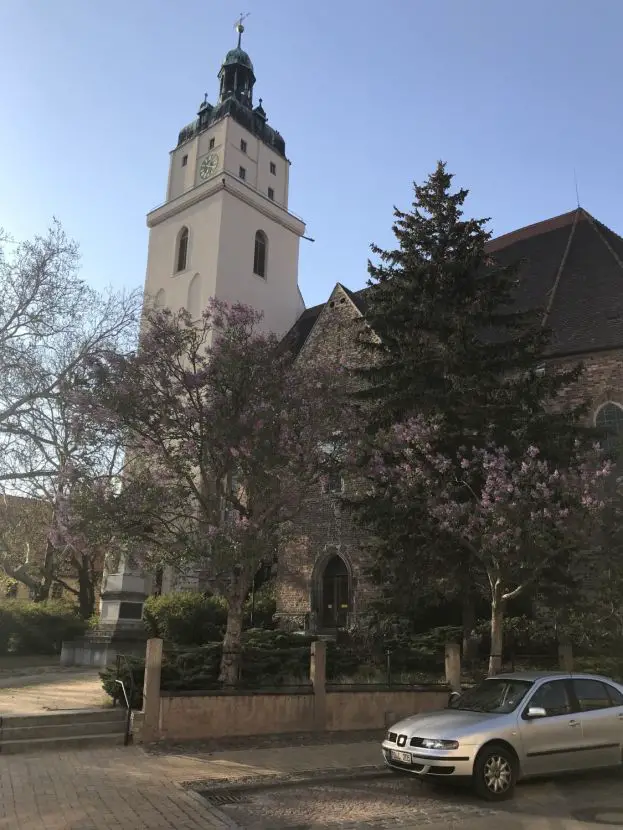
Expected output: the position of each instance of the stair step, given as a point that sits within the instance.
(70, 743)
(67, 716)
(60, 730)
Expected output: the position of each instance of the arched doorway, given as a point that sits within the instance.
(335, 594)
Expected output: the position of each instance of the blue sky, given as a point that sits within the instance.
(368, 95)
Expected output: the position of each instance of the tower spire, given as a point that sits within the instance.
(239, 26)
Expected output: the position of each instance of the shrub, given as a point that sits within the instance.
(264, 608)
(269, 658)
(186, 619)
(131, 669)
(38, 627)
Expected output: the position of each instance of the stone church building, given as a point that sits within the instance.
(225, 230)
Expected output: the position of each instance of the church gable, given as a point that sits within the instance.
(333, 337)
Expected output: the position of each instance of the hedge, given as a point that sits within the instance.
(269, 658)
(37, 627)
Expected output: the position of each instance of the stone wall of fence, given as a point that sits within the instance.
(195, 715)
(317, 706)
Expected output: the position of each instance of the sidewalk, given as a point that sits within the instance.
(132, 789)
(128, 789)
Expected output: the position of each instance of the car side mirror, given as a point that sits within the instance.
(536, 712)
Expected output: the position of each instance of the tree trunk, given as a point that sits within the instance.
(230, 661)
(469, 623)
(86, 591)
(497, 629)
(47, 576)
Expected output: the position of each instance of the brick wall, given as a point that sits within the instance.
(323, 528)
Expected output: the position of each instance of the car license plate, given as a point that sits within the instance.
(404, 757)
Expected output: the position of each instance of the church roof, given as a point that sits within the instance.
(571, 269)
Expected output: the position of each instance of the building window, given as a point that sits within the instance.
(273, 168)
(212, 142)
(184, 161)
(335, 482)
(271, 193)
(260, 254)
(242, 173)
(609, 419)
(57, 591)
(181, 259)
(193, 303)
(243, 145)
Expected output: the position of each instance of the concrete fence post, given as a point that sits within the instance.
(565, 656)
(151, 690)
(318, 677)
(453, 666)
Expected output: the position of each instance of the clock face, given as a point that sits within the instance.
(208, 166)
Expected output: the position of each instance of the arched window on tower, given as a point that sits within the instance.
(609, 419)
(160, 300)
(194, 297)
(181, 259)
(260, 254)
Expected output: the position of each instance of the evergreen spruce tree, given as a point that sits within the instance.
(453, 343)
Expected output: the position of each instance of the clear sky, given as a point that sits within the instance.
(367, 94)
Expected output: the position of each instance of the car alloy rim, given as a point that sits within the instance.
(497, 774)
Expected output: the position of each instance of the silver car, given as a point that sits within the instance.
(513, 726)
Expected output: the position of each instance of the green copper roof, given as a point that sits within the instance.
(238, 55)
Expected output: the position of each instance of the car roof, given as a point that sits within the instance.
(533, 676)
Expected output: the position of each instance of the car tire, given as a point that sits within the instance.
(495, 773)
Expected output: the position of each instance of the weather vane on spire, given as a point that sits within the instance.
(239, 27)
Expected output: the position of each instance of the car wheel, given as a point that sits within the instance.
(495, 773)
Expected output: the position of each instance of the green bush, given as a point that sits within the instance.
(37, 627)
(264, 608)
(269, 658)
(132, 672)
(186, 619)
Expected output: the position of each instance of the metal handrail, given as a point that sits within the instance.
(128, 698)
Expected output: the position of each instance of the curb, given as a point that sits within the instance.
(259, 782)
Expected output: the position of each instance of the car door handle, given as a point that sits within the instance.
(574, 723)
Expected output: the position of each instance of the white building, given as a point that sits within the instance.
(225, 230)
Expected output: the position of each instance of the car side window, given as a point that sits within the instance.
(591, 695)
(552, 697)
(615, 695)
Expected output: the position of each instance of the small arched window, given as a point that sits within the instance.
(194, 297)
(609, 419)
(160, 300)
(260, 254)
(181, 259)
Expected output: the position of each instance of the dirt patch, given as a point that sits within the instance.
(53, 691)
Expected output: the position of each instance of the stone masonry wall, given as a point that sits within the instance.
(323, 527)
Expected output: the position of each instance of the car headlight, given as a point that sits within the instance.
(433, 743)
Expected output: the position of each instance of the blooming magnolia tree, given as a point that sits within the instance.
(514, 516)
(224, 437)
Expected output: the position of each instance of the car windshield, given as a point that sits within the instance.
(497, 696)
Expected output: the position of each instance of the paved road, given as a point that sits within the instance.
(381, 801)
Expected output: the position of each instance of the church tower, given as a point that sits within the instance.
(225, 230)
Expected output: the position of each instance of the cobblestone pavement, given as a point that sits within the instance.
(330, 786)
(382, 801)
(48, 691)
